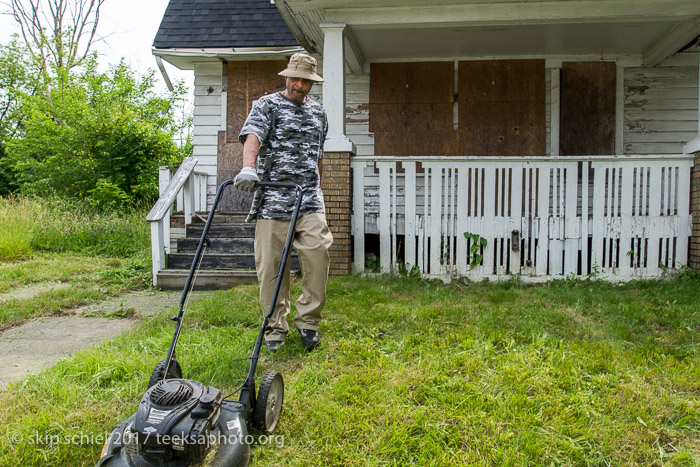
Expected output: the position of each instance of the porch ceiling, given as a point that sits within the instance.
(399, 30)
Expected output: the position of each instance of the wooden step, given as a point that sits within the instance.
(174, 279)
(226, 261)
(177, 219)
(237, 230)
(216, 245)
(213, 261)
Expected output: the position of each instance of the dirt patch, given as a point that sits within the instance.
(40, 343)
(32, 290)
(145, 303)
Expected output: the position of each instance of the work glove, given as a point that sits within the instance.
(246, 179)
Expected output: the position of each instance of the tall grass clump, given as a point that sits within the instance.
(63, 225)
(17, 220)
(70, 225)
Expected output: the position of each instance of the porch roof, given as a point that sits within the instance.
(400, 30)
(194, 27)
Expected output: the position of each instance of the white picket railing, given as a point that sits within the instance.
(186, 191)
(615, 217)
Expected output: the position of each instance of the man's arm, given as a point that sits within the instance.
(320, 168)
(251, 148)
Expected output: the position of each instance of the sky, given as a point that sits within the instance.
(127, 29)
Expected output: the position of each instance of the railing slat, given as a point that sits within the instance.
(358, 216)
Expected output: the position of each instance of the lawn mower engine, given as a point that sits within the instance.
(177, 423)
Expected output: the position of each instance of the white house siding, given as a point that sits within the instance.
(357, 113)
(661, 108)
(207, 120)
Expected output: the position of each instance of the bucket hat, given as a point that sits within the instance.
(301, 66)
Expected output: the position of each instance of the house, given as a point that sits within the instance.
(473, 138)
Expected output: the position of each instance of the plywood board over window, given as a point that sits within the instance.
(410, 108)
(587, 109)
(245, 82)
(501, 108)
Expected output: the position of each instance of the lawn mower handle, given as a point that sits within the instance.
(200, 246)
(247, 396)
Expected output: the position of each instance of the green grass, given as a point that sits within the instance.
(51, 240)
(17, 220)
(415, 373)
(59, 225)
(88, 279)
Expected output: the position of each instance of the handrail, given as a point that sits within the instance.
(166, 199)
(520, 159)
(193, 186)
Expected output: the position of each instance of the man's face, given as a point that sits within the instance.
(298, 88)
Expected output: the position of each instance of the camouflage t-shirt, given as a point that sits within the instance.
(291, 143)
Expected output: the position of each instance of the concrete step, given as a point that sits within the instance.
(213, 279)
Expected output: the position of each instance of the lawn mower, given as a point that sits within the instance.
(182, 422)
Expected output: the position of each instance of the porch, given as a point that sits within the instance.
(611, 217)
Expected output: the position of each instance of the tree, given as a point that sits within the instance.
(57, 33)
(17, 78)
(102, 136)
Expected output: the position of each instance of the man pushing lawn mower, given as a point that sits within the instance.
(283, 140)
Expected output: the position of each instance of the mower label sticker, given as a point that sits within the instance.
(234, 425)
(157, 416)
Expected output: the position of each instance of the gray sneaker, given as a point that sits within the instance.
(309, 338)
(274, 346)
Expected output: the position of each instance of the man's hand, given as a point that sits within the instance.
(246, 179)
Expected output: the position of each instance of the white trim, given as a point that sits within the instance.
(672, 42)
(609, 158)
(555, 110)
(693, 146)
(187, 59)
(224, 101)
(354, 57)
(619, 109)
(512, 13)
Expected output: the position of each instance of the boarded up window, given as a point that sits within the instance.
(410, 108)
(587, 109)
(501, 108)
(245, 82)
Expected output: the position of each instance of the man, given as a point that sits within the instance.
(283, 140)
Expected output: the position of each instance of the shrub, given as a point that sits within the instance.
(96, 135)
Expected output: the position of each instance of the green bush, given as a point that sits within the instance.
(96, 135)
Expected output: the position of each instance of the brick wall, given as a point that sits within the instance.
(336, 184)
(695, 208)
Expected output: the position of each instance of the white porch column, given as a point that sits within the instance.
(334, 87)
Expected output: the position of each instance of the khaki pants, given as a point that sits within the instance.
(311, 242)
